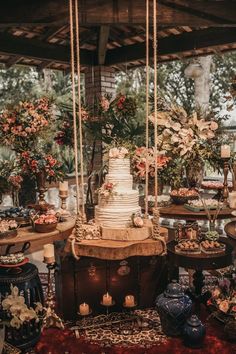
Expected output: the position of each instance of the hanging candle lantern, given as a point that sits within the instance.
(193, 70)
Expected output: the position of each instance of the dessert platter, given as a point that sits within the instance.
(13, 260)
(183, 195)
(188, 247)
(193, 247)
(118, 211)
(215, 185)
(197, 205)
(212, 247)
(8, 228)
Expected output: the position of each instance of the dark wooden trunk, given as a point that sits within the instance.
(88, 279)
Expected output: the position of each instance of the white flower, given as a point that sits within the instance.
(175, 139)
(8, 302)
(15, 322)
(27, 315)
(210, 134)
(176, 126)
(114, 153)
(123, 152)
(38, 307)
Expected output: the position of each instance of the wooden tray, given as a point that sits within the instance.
(198, 209)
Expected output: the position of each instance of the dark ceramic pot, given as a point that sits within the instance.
(194, 332)
(174, 307)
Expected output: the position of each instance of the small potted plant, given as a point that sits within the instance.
(22, 322)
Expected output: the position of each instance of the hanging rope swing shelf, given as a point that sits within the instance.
(91, 239)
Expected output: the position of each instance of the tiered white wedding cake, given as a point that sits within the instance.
(118, 202)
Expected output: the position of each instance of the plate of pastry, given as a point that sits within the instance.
(13, 260)
(188, 247)
(212, 247)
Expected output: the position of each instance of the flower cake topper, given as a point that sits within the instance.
(118, 153)
(106, 190)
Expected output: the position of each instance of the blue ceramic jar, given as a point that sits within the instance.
(194, 332)
(174, 307)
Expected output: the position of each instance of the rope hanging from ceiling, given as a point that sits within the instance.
(76, 108)
(156, 213)
(147, 109)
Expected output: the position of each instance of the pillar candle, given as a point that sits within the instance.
(225, 151)
(129, 301)
(84, 309)
(63, 186)
(107, 299)
(48, 253)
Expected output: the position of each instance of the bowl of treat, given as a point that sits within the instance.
(19, 214)
(45, 222)
(8, 228)
(183, 195)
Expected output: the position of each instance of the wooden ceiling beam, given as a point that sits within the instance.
(188, 41)
(184, 7)
(12, 61)
(102, 43)
(32, 48)
(107, 12)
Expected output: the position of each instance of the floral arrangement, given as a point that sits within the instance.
(24, 122)
(137, 220)
(141, 155)
(187, 136)
(10, 173)
(223, 296)
(124, 106)
(34, 163)
(118, 153)
(106, 190)
(16, 312)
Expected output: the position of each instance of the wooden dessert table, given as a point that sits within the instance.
(117, 267)
(198, 262)
(36, 239)
(180, 212)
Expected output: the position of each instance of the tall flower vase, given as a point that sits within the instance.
(41, 186)
(195, 173)
(15, 197)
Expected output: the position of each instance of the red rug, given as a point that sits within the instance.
(60, 342)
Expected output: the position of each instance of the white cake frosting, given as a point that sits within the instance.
(115, 210)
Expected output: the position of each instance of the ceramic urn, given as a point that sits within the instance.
(194, 332)
(174, 307)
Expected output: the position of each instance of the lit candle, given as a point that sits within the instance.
(63, 186)
(129, 301)
(225, 151)
(84, 309)
(107, 299)
(48, 253)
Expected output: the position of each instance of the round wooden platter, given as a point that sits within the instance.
(180, 212)
(230, 229)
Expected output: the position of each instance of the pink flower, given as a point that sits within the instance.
(216, 293)
(138, 221)
(114, 153)
(224, 306)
